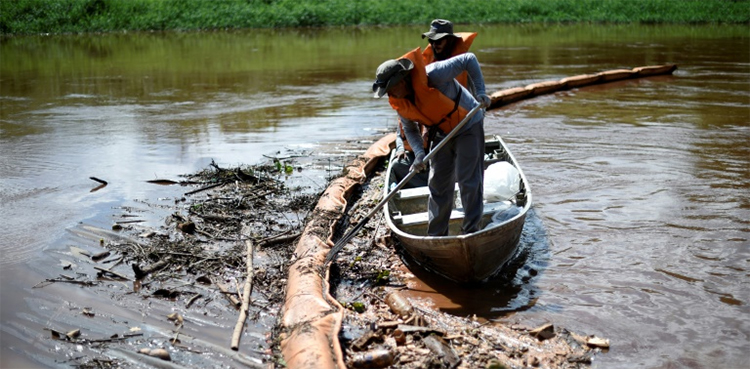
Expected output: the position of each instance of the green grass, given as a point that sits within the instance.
(78, 16)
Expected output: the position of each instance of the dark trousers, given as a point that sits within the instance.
(460, 160)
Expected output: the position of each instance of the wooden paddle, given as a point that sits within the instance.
(350, 234)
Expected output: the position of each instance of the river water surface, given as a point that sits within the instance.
(640, 231)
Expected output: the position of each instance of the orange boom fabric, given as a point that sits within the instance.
(312, 317)
(507, 96)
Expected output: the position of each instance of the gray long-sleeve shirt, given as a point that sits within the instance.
(441, 75)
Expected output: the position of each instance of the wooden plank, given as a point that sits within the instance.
(420, 218)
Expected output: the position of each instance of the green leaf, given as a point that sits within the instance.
(358, 307)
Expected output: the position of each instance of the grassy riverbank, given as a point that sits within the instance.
(74, 16)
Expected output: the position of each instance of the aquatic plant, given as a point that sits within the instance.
(76, 16)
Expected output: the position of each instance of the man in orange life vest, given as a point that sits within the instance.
(430, 95)
(443, 44)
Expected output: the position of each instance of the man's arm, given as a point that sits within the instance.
(444, 71)
(399, 141)
(441, 75)
(413, 135)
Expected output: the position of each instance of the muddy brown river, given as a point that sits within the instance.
(640, 228)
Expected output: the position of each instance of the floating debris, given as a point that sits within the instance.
(543, 332)
(176, 318)
(595, 341)
(380, 358)
(158, 353)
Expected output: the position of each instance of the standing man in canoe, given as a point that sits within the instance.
(444, 44)
(430, 95)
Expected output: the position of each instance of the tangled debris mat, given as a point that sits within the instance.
(188, 278)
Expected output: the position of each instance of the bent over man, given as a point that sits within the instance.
(430, 95)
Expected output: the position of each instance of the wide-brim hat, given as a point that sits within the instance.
(439, 28)
(389, 74)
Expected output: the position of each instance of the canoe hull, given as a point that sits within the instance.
(469, 258)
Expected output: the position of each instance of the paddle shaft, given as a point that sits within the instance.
(352, 232)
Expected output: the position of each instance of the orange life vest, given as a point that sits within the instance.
(430, 106)
(460, 46)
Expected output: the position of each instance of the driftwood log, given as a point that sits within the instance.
(140, 273)
(246, 291)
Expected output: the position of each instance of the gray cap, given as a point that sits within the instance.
(389, 74)
(439, 28)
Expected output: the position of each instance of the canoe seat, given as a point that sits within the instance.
(417, 223)
(414, 200)
(411, 193)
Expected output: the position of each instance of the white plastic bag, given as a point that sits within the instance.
(502, 181)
